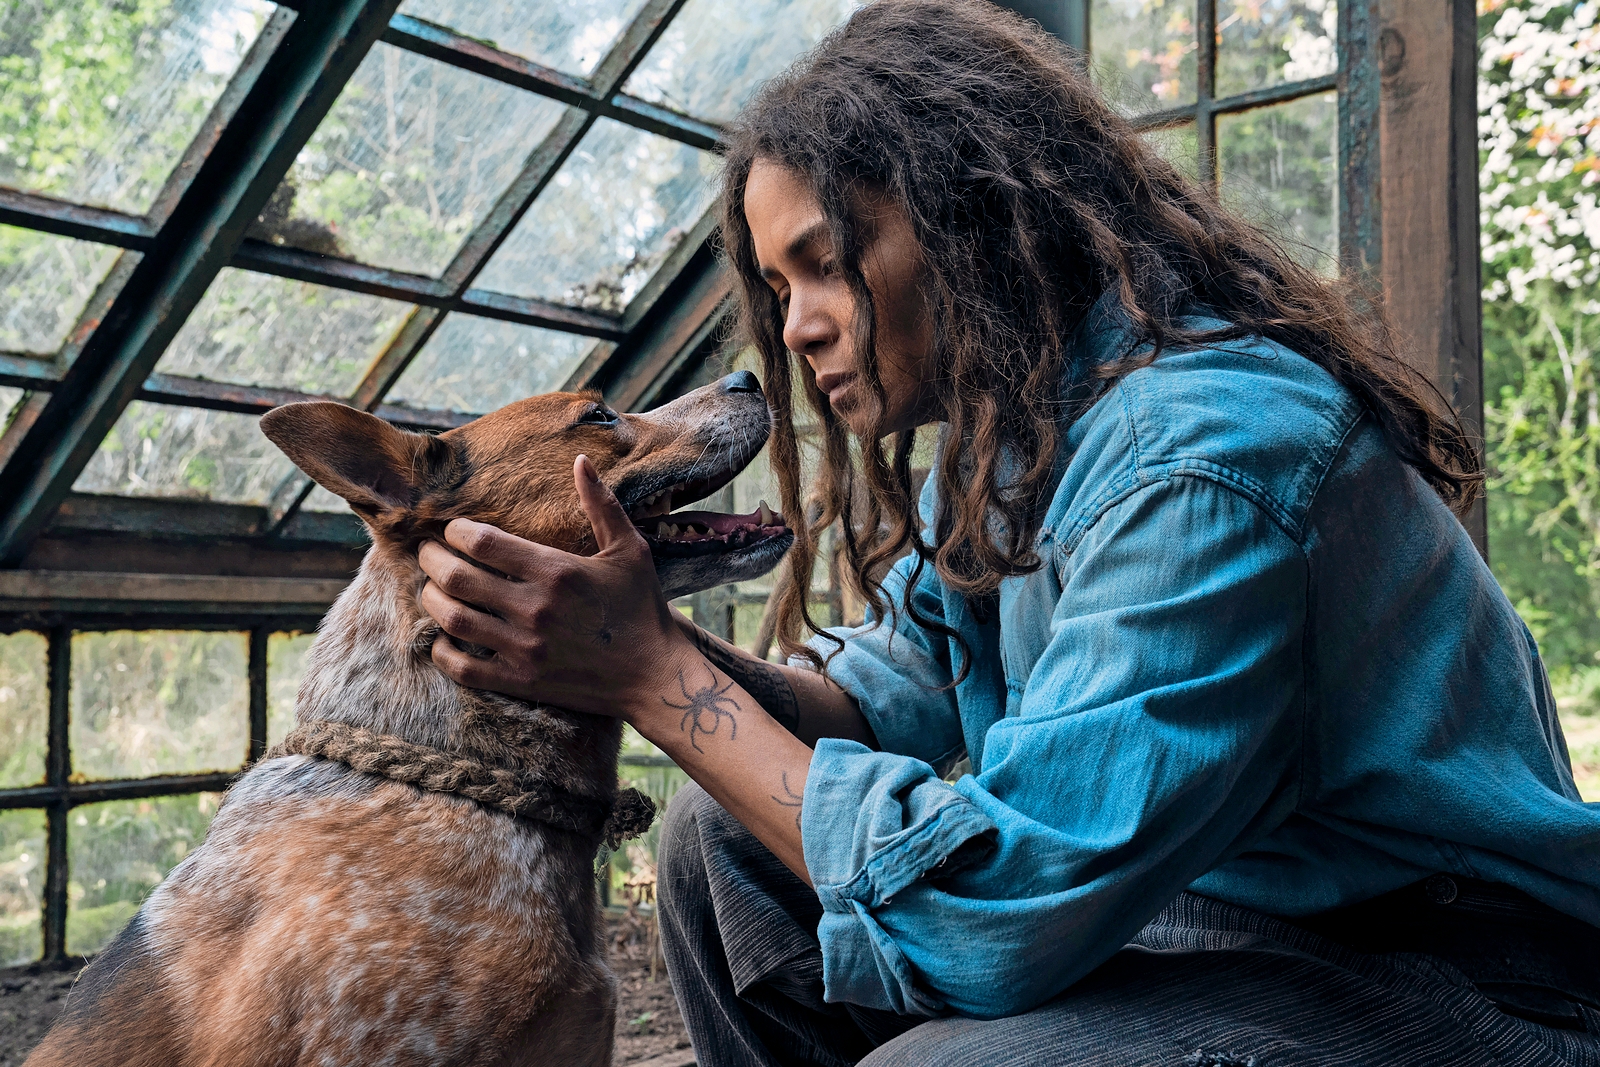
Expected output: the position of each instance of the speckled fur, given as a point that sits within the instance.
(332, 918)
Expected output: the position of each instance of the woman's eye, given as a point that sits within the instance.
(598, 417)
(827, 268)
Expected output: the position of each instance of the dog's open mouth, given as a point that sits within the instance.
(683, 534)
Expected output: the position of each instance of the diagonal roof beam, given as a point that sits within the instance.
(293, 90)
(456, 280)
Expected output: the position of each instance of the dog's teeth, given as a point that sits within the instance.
(765, 514)
(672, 530)
(661, 531)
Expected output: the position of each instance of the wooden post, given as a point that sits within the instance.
(1428, 59)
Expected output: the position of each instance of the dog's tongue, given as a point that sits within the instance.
(723, 524)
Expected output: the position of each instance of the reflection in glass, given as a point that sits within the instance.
(255, 329)
(44, 283)
(101, 99)
(1264, 42)
(117, 852)
(716, 53)
(612, 213)
(570, 35)
(167, 451)
(1279, 167)
(411, 157)
(1178, 146)
(22, 863)
(149, 702)
(286, 665)
(476, 365)
(24, 708)
(1144, 52)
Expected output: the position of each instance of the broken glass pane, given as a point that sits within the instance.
(118, 851)
(149, 702)
(22, 862)
(1280, 168)
(411, 157)
(475, 365)
(1265, 42)
(99, 99)
(255, 329)
(570, 35)
(1144, 52)
(166, 451)
(617, 207)
(44, 283)
(716, 53)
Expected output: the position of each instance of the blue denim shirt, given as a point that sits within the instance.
(1262, 661)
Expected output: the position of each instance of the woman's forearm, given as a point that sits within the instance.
(802, 701)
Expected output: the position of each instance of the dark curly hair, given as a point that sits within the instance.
(1030, 198)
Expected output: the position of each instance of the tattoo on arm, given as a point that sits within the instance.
(790, 799)
(706, 704)
(760, 679)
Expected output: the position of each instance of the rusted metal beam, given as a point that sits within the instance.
(294, 89)
(49, 215)
(1360, 159)
(77, 793)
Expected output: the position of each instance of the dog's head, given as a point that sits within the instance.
(513, 468)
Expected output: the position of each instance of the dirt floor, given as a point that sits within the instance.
(648, 1023)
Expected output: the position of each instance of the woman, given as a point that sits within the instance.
(1265, 769)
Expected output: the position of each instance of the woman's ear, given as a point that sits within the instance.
(357, 456)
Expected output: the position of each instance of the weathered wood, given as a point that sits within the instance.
(55, 590)
(1428, 52)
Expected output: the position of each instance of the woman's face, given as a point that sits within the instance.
(795, 252)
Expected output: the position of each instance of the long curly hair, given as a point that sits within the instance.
(1030, 198)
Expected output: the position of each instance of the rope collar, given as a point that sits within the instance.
(515, 793)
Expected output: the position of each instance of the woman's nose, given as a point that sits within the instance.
(808, 329)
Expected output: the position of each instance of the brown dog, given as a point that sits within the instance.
(338, 917)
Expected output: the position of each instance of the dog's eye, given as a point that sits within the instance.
(598, 416)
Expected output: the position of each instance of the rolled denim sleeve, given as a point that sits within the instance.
(1157, 735)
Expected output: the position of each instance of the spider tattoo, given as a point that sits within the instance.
(707, 700)
(790, 799)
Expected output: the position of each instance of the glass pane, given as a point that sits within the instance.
(149, 702)
(167, 451)
(98, 101)
(716, 53)
(476, 365)
(570, 35)
(117, 852)
(411, 157)
(1264, 42)
(254, 329)
(22, 861)
(9, 398)
(1280, 168)
(321, 500)
(286, 664)
(614, 211)
(1178, 146)
(24, 708)
(1144, 52)
(44, 283)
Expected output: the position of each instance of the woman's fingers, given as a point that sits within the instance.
(467, 623)
(492, 546)
(612, 527)
(470, 671)
(462, 580)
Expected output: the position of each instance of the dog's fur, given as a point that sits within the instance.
(335, 918)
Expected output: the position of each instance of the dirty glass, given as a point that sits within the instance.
(716, 53)
(412, 156)
(22, 864)
(570, 35)
(255, 329)
(9, 398)
(149, 702)
(1144, 52)
(319, 499)
(475, 365)
(99, 98)
(1265, 42)
(24, 708)
(117, 852)
(192, 453)
(286, 665)
(616, 208)
(1280, 168)
(44, 283)
(1178, 146)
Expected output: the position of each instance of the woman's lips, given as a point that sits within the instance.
(836, 386)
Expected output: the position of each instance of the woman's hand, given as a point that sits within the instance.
(588, 633)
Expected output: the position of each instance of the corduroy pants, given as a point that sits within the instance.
(1206, 984)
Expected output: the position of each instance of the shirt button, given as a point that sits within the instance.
(1441, 889)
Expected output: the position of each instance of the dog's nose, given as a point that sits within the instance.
(741, 381)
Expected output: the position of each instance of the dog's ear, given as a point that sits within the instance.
(374, 466)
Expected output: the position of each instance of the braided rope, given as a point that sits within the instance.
(521, 795)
